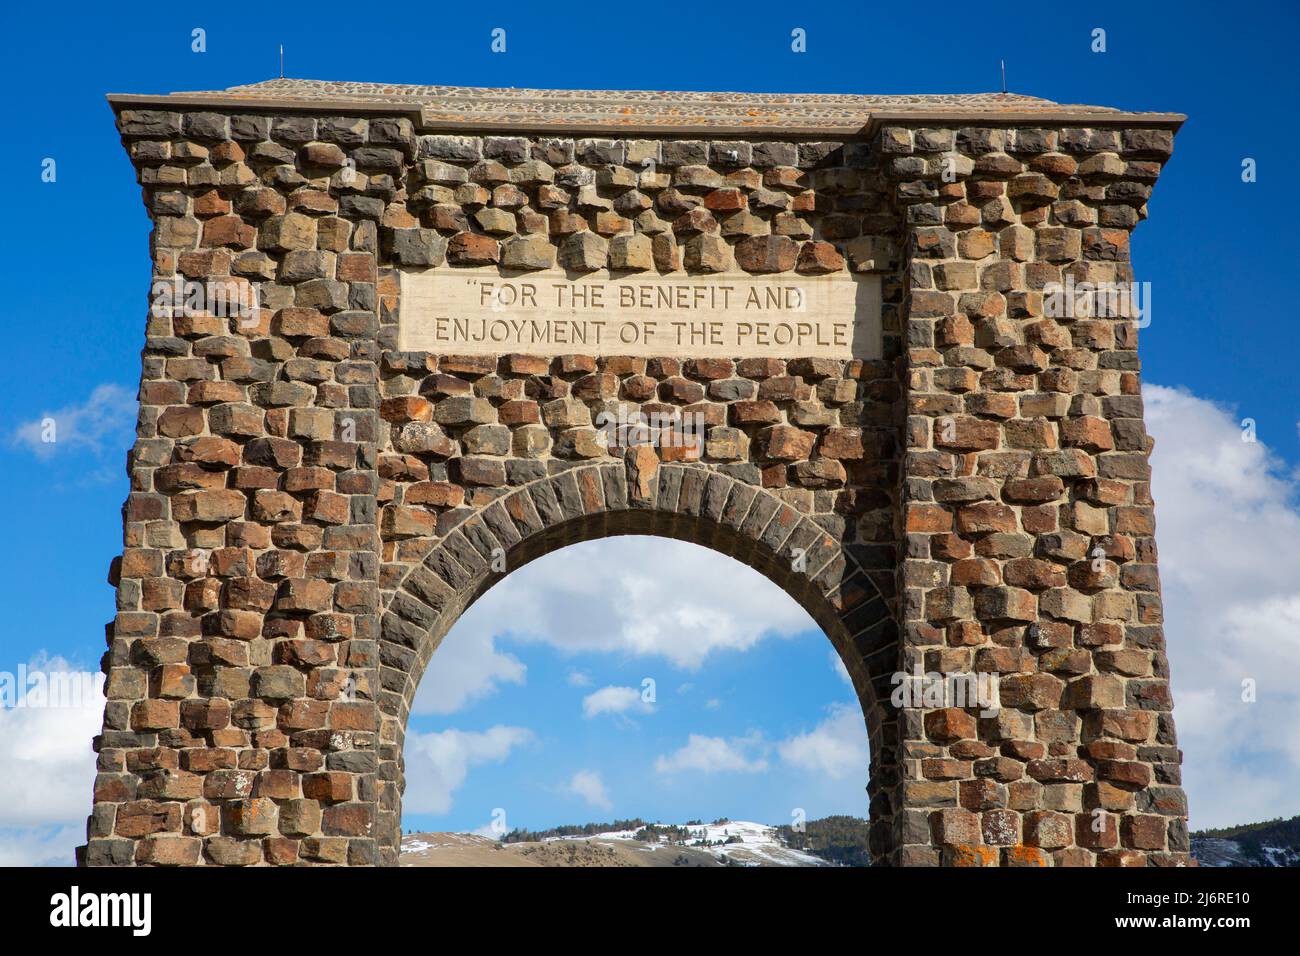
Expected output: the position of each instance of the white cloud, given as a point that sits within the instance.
(1229, 535)
(49, 767)
(641, 596)
(47, 772)
(588, 785)
(438, 763)
(837, 664)
(837, 747)
(614, 700)
(109, 412)
(465, 668)
(716, 755)
(632, 595)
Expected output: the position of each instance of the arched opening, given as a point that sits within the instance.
(845, 590)
(627, 682)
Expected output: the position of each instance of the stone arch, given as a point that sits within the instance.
(271, 531)
(845, 588)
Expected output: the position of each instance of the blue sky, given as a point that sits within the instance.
(628, 662)
(1220, 346)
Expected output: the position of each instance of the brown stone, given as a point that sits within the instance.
(467, 248)
(766, 254)
(786, 443)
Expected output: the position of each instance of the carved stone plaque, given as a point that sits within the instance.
(476, 311)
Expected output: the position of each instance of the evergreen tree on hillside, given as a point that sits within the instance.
(838, 839)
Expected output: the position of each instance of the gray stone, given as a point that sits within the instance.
(452, 148)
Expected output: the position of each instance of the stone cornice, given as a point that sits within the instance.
(644, 113)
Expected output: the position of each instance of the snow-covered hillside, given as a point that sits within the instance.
(730, 843)
(1229, 851)
(737, 841)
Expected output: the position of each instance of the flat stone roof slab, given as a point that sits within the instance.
(643, 111)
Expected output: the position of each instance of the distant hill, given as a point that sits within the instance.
(1271, 843)
(838, 840)
(577, 830)
(834, 841)
(830, 841)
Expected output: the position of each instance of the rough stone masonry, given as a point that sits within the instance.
(312, 508)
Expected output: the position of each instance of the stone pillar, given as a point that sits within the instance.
(1028, 521)
(241, 724)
